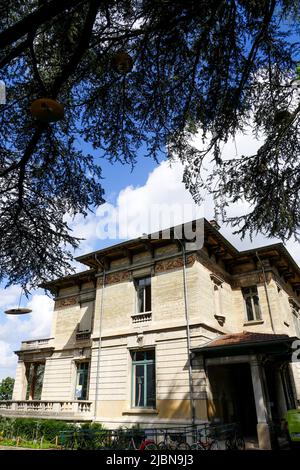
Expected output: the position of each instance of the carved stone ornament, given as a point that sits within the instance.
(175, 263)
(121, 276)
(216, 279)
(67, 302)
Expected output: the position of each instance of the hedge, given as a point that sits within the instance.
(29, 428)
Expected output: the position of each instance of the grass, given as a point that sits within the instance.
(28, 444)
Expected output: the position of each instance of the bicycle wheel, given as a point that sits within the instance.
(196, 446)
(183, 446)
(240, 443)
(162, 446)
(229, 444)
(150, 446)
(213, 445)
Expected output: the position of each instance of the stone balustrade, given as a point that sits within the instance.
(36, 344)
(141, 317)
(81, 409)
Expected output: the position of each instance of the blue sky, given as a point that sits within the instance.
(133, 194)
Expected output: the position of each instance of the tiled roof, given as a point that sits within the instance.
(243, 338)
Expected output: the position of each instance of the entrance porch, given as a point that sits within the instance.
(249, 382)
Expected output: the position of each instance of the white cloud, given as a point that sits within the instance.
(15, 329)
(41, 316)
(7, 359)
(9, 297)
(162, 201)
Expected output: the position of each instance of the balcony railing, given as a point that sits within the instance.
(36, 344)
(82, 335)
(81, 410)
(141, 317)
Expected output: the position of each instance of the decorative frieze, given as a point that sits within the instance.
(174, 263)
(120, 276)
(67, 302)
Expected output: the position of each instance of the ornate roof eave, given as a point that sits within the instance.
(69, 281)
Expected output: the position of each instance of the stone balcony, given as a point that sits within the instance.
(80, 410)
(36, 344)
(144, 317)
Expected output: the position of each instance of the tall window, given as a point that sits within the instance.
(35, 377)
(143, 379)
(143, 290)
(82, 373)
(252, 306)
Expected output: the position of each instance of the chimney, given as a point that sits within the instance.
(215, 224)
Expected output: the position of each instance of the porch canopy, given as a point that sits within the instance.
(279, 347)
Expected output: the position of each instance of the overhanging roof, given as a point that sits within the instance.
(215, 243)
(247, 343)
(68, 281)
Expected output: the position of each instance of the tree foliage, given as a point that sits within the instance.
(6, 388)
(209, 65)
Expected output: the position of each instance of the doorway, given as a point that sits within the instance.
(232, 396)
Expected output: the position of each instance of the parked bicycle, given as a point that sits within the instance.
(205, 441)
(173, 441)
(146, 444)
(133, 439)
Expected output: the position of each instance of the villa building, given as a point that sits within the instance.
(155, 334)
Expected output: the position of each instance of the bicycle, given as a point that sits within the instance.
(206, 442)
(177, 443)
(146, 444)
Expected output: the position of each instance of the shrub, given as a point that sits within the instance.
(30, 428)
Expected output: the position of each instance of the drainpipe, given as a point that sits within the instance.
(100, 338)
(188, 337)
(266, 291)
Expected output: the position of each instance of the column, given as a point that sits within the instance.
(263, 431)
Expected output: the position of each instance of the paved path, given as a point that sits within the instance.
(20, 448)
(15, 448)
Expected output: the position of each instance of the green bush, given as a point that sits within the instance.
(7, 427)
(29, 428)
(93, 426)
(71, 435)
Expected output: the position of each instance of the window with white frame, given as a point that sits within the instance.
(81, 386)
(252, 307)
(143, 379)
(143, 290)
